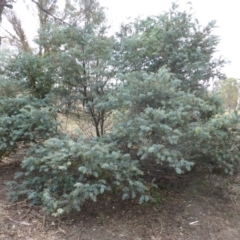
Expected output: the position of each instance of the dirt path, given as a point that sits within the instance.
(205, 208)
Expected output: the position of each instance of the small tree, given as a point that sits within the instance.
(175, 40)
(81, 53)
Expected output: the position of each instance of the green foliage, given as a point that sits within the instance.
(228, 91)
(62, 174)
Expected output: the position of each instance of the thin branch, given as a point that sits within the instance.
(19, 31)
(12, 35)
(6, 5)
(49, 13)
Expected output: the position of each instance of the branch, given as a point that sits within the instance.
(49, 13)
(6, 5)
(13, 38)
(19, 31)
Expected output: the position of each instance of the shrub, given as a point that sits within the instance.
(152, 77)
(24, 119)
(159, 121)
(62, 174)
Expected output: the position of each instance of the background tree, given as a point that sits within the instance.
(5, 4)
(228, 90)
(43, 11)
(238, 87)
(30, 66)
(18, 36)
(26, 112)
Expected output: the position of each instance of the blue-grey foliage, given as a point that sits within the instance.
(62, 174)
(151, 80)
(159, 121)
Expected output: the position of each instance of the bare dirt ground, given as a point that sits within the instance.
(195, 207)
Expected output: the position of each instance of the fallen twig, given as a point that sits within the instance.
(193, 223)
(21, 222)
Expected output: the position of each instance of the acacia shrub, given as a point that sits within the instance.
(157, 120)
(61, 174)
(24, 119)
(165, 117)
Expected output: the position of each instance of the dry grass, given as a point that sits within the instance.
(75, 126)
